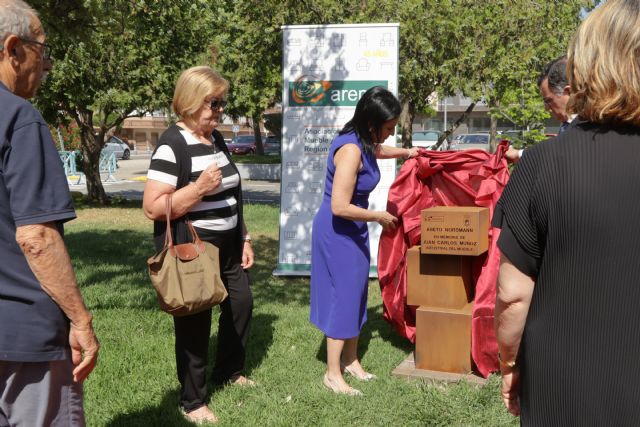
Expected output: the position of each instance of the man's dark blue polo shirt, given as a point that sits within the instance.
(33, 190)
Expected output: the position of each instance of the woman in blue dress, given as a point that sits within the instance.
(340, 240)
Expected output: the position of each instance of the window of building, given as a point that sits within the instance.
(478, 124)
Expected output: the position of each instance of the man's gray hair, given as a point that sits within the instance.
(16, 17)
(556, 73)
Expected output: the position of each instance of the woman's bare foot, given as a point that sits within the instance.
(202, 415)
(338, 385)
(355, 370)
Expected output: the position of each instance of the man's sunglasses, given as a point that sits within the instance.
(217, 104)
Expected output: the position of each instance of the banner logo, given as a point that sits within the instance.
(308, 91)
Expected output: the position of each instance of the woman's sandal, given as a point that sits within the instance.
(366, 377)
(328, 383)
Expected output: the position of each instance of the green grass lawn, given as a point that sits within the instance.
(135, 384)
(257, 159)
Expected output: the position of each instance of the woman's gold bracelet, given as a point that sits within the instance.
(509, 364)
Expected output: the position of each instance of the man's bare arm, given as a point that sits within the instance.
(49, 260)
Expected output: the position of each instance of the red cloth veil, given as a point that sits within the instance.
(444, 178)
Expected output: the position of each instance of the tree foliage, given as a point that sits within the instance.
(522, 106)
(121, 58)
(507, 44)
(122, 62)
(248, 55)
(485, 51)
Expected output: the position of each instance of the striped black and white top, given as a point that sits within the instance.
(218, 210)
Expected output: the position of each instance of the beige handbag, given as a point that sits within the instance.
(186, 276)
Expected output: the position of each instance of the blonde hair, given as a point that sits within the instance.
(604, 65)
(193, 86)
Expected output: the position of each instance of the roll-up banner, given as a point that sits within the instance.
(325, 71)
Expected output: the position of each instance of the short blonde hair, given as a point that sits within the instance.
(604, 65)
(193, 86)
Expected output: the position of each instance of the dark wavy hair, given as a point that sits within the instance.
(556, 73)
(376, 107)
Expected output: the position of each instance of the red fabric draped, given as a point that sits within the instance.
(447, 178)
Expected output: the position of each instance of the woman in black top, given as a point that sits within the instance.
(568, 296)
(193, 164)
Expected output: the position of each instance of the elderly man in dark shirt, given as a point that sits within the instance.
(47, 343)
(555, 92)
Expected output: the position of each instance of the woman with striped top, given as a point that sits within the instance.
(192, 163)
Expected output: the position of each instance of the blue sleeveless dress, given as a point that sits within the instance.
(340, 254)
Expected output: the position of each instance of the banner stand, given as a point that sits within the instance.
(325, 71)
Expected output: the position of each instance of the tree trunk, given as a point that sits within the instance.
(91, 165)
(493, 129)
(406, 122)
(257, 134)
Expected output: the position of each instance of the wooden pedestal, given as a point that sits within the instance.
(443, 339)
(438, 280)
(407, 369)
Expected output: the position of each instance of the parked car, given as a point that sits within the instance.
(246, 144)
(119, 147)
(428, 139)
(243, 144)
(469, 141)
(272, 146)
(511, 135)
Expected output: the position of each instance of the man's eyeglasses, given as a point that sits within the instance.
(46, 49)
(217, 104)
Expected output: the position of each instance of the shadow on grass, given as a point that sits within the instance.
(266, 287)
(103, 256)
(260, 339)
(116, 261)
(265, 251)
(167, 413)
(375, 324)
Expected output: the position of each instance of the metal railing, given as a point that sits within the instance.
(107, 165)
(68, 159)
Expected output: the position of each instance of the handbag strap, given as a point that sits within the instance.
(168, 240)
(196, 238)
